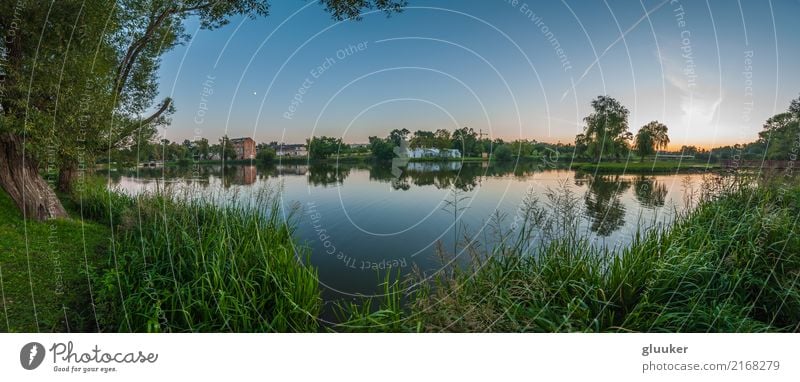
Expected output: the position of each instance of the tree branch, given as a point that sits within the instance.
(161, 110)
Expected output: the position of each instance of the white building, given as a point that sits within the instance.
(424, 152)
(291, 151)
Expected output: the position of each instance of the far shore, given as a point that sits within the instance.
(610, 166)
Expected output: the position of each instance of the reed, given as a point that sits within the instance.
(223, 263)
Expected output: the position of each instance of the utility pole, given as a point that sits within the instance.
(484, 155)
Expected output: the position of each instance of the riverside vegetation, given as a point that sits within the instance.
(176, 263)
(732, 264)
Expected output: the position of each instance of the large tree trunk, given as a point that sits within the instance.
(20, 178)
(66, 176)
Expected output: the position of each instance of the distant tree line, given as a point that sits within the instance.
(466, 140)
(606, 135)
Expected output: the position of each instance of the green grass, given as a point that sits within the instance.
(43, 265)
(731, 265)
(643, 167)
(188, 265)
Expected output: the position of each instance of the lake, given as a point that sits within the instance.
(361, 219)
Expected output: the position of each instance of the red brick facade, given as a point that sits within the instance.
(245, 148)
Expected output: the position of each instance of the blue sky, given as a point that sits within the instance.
(713, 71)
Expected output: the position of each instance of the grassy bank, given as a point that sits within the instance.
(43, 269)
(180, 264)
(175, 264)
(154, 264)
(731, 265)
(647, 167)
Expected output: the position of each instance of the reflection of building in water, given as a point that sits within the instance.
(245, 175)
(245, 148)
(427, 166)
(296, 169)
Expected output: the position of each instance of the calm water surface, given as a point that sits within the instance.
(359, 219)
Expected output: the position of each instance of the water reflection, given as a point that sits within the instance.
(649, 192)
(327, 174)
(373, 215)
(603, 205)
(602, 200)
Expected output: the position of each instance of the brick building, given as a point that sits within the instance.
(245, 148)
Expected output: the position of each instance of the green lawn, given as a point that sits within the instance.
(43, 270)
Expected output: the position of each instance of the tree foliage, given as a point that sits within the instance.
(266, 155)
(606, 128)
(503, 153)
(781, 133)
(382, 149)
(651, 137)
(323, 147)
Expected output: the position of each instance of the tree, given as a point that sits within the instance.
(266, 155)
(522, 147)
(200, 149)
(423, 138)
(658, 131)
(106, 56)
(382, 149)
(442, 139)
(397, 136)
(66, 62)
(689, 150)
(606, 127)
(581, 145)
(503, 153)
(651, 137)
(622, 144)
(644, 144)
(781, 132)
(226, 149)
(323, 147)
(466, 140)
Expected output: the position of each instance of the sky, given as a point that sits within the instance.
(713, 71)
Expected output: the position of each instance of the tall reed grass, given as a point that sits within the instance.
(180, 262)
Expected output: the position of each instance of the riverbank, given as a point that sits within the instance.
(605, 167)
(171, 264)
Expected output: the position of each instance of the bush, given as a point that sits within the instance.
(503, 153)
(266, 155)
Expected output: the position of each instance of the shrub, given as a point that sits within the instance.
(266, 155)
(503, 153)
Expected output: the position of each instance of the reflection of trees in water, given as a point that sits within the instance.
(603, 203)
(323, 174)
(650, 192)
(445, 175)
(201, 174)
(442, 175)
